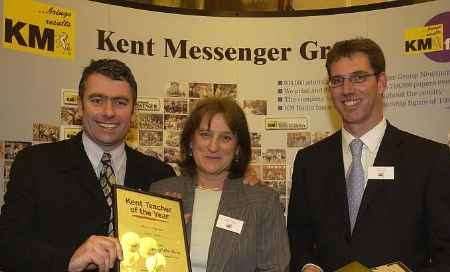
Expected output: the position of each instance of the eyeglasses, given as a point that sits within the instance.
(338, 81)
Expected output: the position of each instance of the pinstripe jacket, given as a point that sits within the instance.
(262, 244)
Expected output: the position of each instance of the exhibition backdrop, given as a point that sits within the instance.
(274, 67)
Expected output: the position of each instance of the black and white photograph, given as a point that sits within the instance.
(171, 155)
(150, 121)
(172, 138)
(200, 90)
(274, 156)
(277, 185)
(148, 104)
(70, 116)
(298, 139)
(150, 137)
(256, 107)
(225, 90)
(176, 89)
(255, 139)
(175, 105)
(274, 172)
(174, 121)
(44, 133)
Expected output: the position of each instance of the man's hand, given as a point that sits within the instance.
(97, 252)
(311, 268)
(174, 195)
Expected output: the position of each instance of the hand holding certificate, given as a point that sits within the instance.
(151, 231)
(358, 267)
(391, 267)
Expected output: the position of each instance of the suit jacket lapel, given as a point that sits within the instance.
(133, 177)
(387, 155)
(222, 244)
(188, 203)
(77, 168)
(336, 173)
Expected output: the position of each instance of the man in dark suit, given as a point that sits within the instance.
(55, 216)
(388, 202)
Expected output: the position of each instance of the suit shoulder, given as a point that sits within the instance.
(321, 147)
(260, 193)
(139, 155)
(170, 180)
(56, 150)
(417, 142)
(149, 162)
(262, 199)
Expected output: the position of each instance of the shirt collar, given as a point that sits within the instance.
(371, 139)
(95, 153)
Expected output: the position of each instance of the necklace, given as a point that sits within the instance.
(206, 188)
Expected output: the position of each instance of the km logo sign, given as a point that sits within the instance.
(29, 35)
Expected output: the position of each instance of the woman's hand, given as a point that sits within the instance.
(187, 216)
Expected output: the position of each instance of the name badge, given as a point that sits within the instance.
(381, 172)
(230, 224)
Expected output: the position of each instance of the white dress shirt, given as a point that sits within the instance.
(371, 142)
(118, 158)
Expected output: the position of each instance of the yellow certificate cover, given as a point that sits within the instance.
(151, 230)
(353, 267)
(391, 267)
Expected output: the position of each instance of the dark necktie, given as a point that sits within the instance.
(107, 178)
(355, 181)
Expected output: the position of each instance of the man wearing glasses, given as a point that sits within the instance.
(370, 192)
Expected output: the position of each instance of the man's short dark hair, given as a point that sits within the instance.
(347, 48)
(236, 121)
(111, 68)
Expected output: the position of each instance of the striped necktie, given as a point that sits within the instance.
(355, 181)
(107, 178)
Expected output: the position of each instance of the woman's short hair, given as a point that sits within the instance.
(236, 121)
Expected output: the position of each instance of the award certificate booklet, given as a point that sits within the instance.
(353, 267)
(151, 230)
(391, 267)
